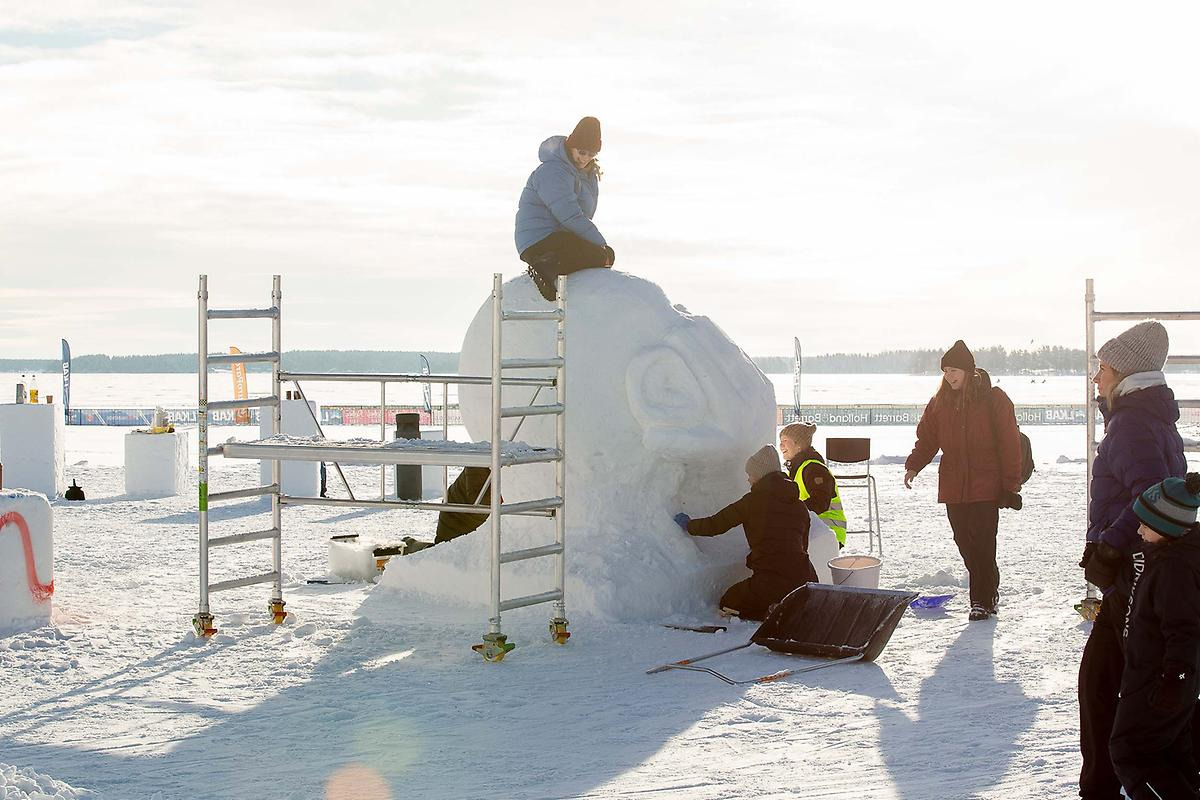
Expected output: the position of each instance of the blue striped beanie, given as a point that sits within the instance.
(1170, 507)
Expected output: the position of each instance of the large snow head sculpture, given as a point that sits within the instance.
(662, 412)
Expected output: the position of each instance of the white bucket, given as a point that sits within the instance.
(861, 571)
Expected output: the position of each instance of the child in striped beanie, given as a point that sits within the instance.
(1151, 740)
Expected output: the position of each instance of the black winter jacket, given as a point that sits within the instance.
(1162, 628)
(776, 525)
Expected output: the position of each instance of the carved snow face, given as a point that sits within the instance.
(659, 382)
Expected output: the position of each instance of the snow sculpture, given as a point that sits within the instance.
(662, 412)
(26, 560)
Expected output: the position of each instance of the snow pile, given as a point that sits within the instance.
(662, 412)
(26, 784)
(31, 447)
(26, 560)
(942, 577)
(300, 478)
(156, 464)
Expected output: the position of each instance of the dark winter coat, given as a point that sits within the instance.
(776, 525)
(981, 448)
(1162, 657)
(557, 197)
(1140, 448)
(817, 479)
(1163, 621)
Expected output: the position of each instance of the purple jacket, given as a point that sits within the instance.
(1140, 447)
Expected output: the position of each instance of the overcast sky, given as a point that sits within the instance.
(863, 176)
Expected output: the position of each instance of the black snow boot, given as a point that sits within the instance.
(978, 612)
(540, 272)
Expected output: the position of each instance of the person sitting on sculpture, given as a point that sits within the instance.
(776, 524)
(555, 234)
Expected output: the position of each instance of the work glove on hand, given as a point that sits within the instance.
(682, 521)
(1089, 550)
(1011, 500)
(1102, 567)
(1175, 690)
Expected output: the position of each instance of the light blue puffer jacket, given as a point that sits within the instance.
(557, 197)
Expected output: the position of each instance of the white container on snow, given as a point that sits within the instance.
(299, 478)
(156, 464)
(31, 447)
(26, 560)
(352, 560)
(860, 571)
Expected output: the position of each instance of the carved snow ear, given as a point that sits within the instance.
(667, 400)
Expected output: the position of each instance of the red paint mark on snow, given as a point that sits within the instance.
(40, 591)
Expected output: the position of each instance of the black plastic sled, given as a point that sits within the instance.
(842, 623)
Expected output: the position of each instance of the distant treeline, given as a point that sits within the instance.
(294, 360)
(997, 360)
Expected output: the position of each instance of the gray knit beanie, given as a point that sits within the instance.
(1142, 348)
(764, 462)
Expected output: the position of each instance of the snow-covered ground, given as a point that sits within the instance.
(368, 693)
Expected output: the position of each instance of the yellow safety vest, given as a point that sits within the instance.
(834, 517)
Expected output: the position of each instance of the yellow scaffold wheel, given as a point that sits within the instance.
(278, 615)
(558, 630)
(203, 625)
(494, 648)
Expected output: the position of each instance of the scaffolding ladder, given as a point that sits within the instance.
(1091, 317)
(495, 643)
(203, 620)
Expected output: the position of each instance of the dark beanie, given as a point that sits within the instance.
(959, 356)
(586, 135)
(1170, 507)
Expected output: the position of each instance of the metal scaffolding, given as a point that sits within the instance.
(1090, 604)
(496, 456)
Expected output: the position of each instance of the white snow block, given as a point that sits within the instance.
(156, 464)
(300, 478)
(31, 447)
(352, 560)
(431, 476)
(26, 560)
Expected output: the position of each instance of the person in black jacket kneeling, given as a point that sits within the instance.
(1151, 744)
(776, 525)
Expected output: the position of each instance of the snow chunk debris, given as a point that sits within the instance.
(27, 784)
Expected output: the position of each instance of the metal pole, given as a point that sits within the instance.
(497, 438)
(383, 437)
(560, 466)
(202, 435)
(445, 435)
(1090, 366)
(276, 420)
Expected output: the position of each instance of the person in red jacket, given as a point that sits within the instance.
(975, 427)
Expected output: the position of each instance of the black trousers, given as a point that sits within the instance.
(463, 491)
(1100, 672)
(562, 253)
(1099, 684)
(974, 526)
(753, 597)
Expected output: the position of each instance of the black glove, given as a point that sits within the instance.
(1010, 500)
(1103, 566)
(1175, 690)
(1089, 550)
